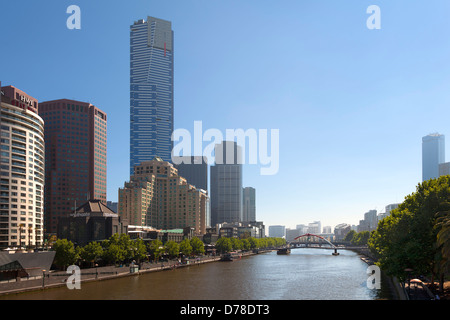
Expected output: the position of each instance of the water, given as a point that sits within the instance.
(305, 274)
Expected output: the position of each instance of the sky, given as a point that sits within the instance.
(351, 103)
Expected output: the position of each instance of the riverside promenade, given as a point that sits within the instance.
(54, 279)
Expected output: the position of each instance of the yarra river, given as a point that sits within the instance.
(305, 274)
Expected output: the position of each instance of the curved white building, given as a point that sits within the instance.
(22, 171)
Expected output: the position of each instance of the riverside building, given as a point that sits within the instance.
(75, 163)
(157, 196)
(22, 170)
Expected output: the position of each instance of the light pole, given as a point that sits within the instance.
(43, 278)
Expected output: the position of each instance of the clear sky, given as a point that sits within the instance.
(351, 104)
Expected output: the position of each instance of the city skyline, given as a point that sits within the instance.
(352, 104)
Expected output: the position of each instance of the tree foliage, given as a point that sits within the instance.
(407, 238)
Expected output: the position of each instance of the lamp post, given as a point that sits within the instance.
(43, 278)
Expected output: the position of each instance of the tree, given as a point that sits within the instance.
(113, 253)
(197, 246)
(407, 238)
(138, 250)
(65, 253)
(185, 247)
(224, 245)
(91, 252)
(172, 248)
(156, 249)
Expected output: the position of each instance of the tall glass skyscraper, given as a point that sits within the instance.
(433, 154)
(151, 90)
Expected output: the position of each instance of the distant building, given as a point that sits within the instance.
(433, 154)
(194, 169)
(277, 231)
(226, 184)
(291, 234)
(341, 230)
(315, 227)
(249, 204)
(93, 221)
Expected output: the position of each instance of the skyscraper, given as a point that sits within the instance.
(249, 204)
(226, 184)
(22, 170)
(194, 169)
(151, 90)
(75, 148)
(433, 154)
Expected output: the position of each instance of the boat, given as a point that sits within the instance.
(284, 251)
(231, 256)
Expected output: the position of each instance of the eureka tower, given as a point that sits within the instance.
(151, 90)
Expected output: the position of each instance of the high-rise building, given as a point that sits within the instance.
(157, 196)
(22, 175)
(433, 154)
(194, 169)
(75, 145)
(226, 184)
(277, 231)
(249, 204)
(151, 90)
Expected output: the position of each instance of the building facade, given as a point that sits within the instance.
(433, 154)
(92, 221)
(249, 204)
(194, 169)
(151, 90)
(157, 196)
(22, 174)
(226, 184)
(76, 145)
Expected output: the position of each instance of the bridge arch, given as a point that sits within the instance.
(320, 237)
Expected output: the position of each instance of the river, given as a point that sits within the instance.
(305, 274)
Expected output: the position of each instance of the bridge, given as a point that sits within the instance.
(313, 241)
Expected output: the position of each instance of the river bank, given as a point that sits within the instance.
(56, 279)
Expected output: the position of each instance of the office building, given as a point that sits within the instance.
(22, 174)
(151, 90)
(157, 196)
(277, 231)
(226, 184)
(75, 146)
(433, 154)
(194, 169)
(249, 204)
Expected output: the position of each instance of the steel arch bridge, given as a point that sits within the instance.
(309, 235)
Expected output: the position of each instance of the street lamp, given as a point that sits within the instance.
(43, 278)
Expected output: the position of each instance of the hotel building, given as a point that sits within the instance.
(75, 144)
(22, 170)
(157, 196)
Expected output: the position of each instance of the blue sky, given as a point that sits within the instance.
(351, 104)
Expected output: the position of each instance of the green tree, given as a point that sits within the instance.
(407, 238)
(156, 249)
(197, 246)
(172, 248)
(113, 253)
(91, 252)
(65, 253)
(185, 247)
(138, 250)
(224, 245)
